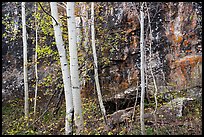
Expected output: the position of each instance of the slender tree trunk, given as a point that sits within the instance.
(65, 69)
(36, 66)
(142, 69)
(96, 65)
(85, 24)
(25, 63)
(85, 35)
(154, 81)
(74, 67)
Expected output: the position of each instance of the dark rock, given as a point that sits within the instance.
(120, 116)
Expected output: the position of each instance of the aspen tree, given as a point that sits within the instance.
(142, 69)
(64, 68)
(36, 66)
(25, 63)
(95, 64)
(74, 67)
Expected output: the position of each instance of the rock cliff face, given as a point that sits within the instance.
(176, 50)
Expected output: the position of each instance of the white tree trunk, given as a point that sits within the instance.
(95, 64)
(65, 69)
(142, 69)
(25, 63)
(36, 66)
(74, 67)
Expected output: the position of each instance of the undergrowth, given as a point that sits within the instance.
(13, 122)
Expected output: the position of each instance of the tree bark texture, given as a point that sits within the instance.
(74, 67)
(25, 63)
(142, 69)
(64, 68)
(36, 65)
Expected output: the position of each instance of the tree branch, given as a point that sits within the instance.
(154, 81)
(48, 13)
(47, 108)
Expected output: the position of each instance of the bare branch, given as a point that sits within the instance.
(154, 81)
(48, 13)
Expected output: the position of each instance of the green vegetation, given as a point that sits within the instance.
(53, 124)
(111, 41)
